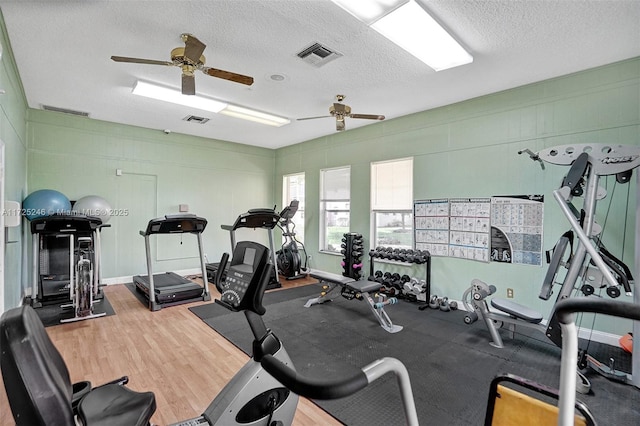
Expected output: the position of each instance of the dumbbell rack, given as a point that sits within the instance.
(352, 244)
(409, 261)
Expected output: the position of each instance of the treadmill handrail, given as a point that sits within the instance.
(255, 218)
(57, 223)
(176, 224)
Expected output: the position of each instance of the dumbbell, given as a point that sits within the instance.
(434, 302)
(444, 304)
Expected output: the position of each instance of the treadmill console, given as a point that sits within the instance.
(246, 279)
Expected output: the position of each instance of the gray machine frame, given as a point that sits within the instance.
(601, 160)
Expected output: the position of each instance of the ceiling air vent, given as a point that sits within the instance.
(65, 110)
(195, 119)
(318, 55)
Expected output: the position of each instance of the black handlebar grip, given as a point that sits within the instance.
(313, 388)
(220, 272)
(566, 307)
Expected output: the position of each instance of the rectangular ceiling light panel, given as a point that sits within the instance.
(413, 29)
(252, 115)
(174, 96)
(369, 11)
(409, 26)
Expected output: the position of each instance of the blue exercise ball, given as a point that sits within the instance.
(45, 202)
(92, 205)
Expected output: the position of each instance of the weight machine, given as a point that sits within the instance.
(589, 264)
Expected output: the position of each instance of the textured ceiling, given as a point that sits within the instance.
(63, 49)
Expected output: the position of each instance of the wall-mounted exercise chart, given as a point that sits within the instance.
(516, 229)
(470, 228)
(457, 227)
(431, 226)
(506, 229)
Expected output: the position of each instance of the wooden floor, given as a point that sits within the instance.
(170, 352)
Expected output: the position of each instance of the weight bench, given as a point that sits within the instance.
(337, 285)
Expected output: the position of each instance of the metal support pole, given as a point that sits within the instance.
(635, 361)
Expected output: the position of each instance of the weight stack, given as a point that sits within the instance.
(352, 249)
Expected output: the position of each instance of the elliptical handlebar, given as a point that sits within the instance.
(334, 389)
(568, 364)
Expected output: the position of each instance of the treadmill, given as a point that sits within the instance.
(254, 218)
(169, 288)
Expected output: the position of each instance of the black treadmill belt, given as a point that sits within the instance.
(169, 287)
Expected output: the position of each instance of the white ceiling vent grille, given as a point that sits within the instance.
(195, 119)
(318, 55)
(65, 110)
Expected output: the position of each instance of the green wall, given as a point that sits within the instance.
(218, 180)
(470, 149)
(13, 131)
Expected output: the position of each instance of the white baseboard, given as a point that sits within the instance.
(583, 333)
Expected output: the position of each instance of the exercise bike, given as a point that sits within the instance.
(288, 257)
(265, 391)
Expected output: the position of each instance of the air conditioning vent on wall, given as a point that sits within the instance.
(195, 119)
(318, 55)
(65, 110)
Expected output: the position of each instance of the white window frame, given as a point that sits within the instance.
(324, 211)
(397, 199)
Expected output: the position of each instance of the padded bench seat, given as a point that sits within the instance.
(517, 310)
(329, 277)
(359, 286)
(365, 286)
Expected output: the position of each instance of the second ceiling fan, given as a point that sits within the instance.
(340, 111)
(190, 58)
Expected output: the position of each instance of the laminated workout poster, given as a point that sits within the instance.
(470, 228)
(516, 229)
(453, 227)
(431, 226)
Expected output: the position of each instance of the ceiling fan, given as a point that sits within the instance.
(340, 111)
(190, 58)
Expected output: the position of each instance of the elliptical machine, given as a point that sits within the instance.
(265, 391)
(288, 257)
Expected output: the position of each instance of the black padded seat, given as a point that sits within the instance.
(365, 286)
(39, 388)
(329, 277)
(516, 310)
(116, 405)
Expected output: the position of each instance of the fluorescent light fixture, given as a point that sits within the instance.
(369, 11)
(252, 115)
(409, 26)
(174, 96)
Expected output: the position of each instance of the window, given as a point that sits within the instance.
(335, 200)
(392, 203)
(293, 189)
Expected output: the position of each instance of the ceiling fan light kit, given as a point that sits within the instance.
(190, 58)
(340, 111)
